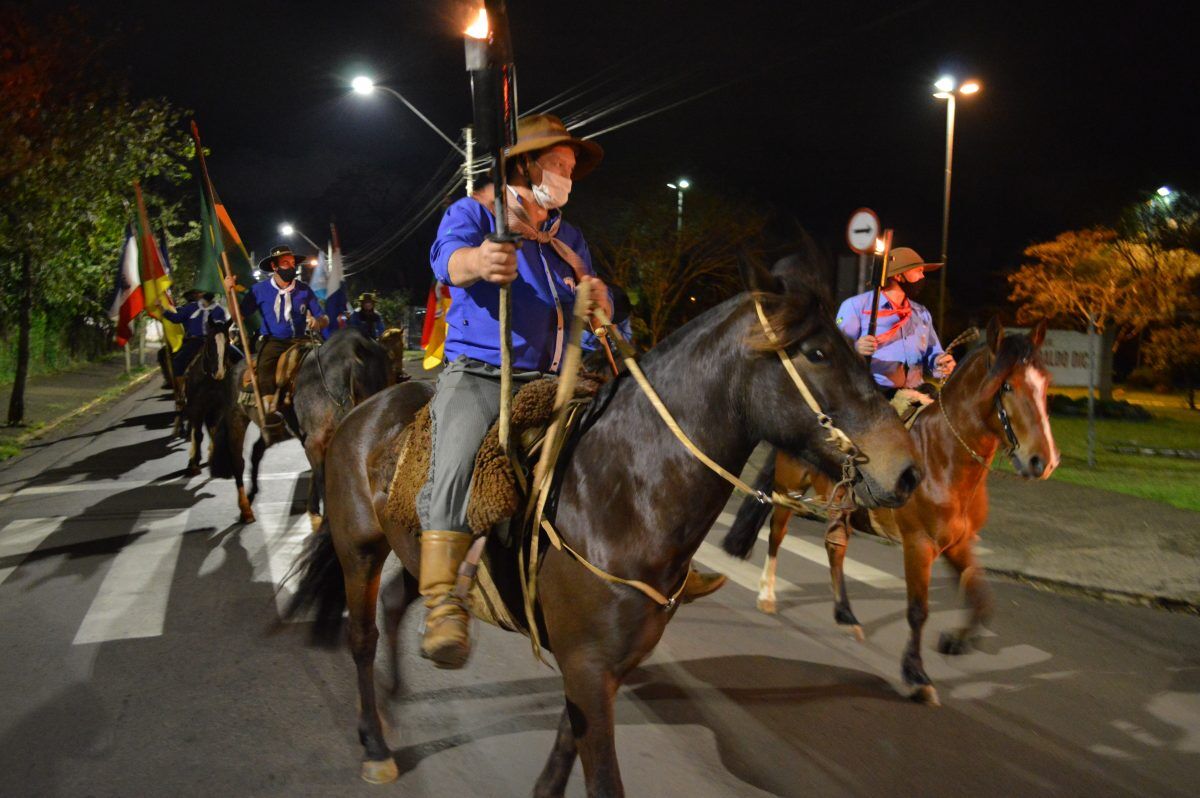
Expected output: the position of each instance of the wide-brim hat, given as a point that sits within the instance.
(539, 131)
(267, 264)
(366, 297)
(194, 292)
(904, 259)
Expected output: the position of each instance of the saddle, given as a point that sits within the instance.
(287, 369)
(497, 495)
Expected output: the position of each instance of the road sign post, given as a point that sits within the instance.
(861, 235)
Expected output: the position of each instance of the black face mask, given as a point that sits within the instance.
(913, 290)
(287, 275)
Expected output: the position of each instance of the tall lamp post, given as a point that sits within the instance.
(682, 185)
(364, 85)
(287, 230)
(948, 89)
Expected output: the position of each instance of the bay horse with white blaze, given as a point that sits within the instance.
(629, 499)
(996, 397)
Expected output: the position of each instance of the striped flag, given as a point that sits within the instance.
(335, 289)
(127, 299)
(155, 277)
(433, 333)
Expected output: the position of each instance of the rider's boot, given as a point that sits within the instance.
(699, 585)
(447, 625)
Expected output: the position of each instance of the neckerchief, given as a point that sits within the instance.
(203, 310)
(283, 300)
(902, 315)
(519, 222)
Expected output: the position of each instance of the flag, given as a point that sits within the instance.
(219, 235)
(155, 277)
(127, 299)
(433, 333)
(319, 279)
(335, 289)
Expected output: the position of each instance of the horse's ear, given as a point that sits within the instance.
(756, 277)
(995, 334)
(1038, 334)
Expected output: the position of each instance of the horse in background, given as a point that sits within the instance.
(996, 397)
(203, 380)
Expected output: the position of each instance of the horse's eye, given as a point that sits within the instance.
(815, 355)
(1006, 387)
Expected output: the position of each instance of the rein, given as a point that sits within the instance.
(314, 336)
(998, 401)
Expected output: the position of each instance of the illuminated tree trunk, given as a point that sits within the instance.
(16, 402)
(1108, 342)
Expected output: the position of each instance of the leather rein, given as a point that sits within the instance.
(1001, 412)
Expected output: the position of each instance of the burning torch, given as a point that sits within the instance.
(883, 247)
(494, 101)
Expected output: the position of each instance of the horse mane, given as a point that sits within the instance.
(1014, 348)
(793, 314)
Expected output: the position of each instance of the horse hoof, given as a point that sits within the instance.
(193, 471)
(767, 606)
(314, 520)
(381, 771)
(247, 517)
(926, 694)
(953, 645)
(857, 631)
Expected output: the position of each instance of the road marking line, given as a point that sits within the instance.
(855, 570)
(132, 600)
(127, 484)
(273, 544)
(739, 571)
(22, 537)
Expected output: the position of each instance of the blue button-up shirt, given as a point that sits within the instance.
(543, 295)
(193, 317)
(901, 362)
(371, 329)
(261, 298)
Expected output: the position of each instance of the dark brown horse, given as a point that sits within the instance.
(996, 398)
(203, 395)
(630, 499)
(331, 380)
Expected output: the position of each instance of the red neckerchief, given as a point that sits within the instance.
(902, 313)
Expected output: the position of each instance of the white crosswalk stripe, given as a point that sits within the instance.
(23, 536)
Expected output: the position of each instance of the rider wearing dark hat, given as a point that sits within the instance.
(199, 310)
(365, 318)
(288, 308)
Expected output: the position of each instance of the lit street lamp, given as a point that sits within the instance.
(679, 187)
(364, 85)
(287, 230)
(948, 89)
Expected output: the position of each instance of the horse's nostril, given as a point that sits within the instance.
(1037, 465)
(909, 479)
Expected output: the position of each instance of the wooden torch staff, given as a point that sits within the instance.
(879, 284)
(235, 307)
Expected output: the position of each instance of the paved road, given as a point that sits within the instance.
(134, 663)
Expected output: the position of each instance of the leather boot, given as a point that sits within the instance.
(699, 585)
(448, 622)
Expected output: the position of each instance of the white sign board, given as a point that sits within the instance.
(862, 231)
(1065, 353)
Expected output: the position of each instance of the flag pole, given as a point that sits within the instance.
(235, 307)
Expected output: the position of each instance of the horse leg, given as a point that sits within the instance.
(237, 439)
(837, 539)
(961, 557)
(766, 583)
(553, 781)
(362, 591)
(398, 596)
(256, 456)
(196, 438)
(314, 447)
(918, 561)
(590, 691)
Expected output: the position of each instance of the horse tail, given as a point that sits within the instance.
(221, 461)
(320, 585)
(739, 540)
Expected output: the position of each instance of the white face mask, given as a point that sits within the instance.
(553, 191)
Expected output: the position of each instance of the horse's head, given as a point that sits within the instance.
(216, 342)
(802, 327)
(1017, 382)
(393, 341)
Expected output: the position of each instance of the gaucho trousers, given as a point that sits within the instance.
(464, 408)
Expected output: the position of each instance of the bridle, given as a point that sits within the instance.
(1010, 435)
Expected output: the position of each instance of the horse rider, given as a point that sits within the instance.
(543, 269)
(288, 308)
(905, 344)
(200, 308)
(365, 318)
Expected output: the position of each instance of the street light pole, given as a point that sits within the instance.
(948, 89)
(364, 85)
(679, 187)
(287, 229)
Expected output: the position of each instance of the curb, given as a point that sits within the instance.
(1052, 584)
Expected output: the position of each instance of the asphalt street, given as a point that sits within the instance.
(136, 661)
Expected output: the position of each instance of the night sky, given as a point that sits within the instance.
(817, 109)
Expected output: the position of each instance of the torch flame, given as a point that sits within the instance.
(479, 28)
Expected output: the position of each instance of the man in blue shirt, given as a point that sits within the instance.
(905, 345)
(194, 316)
(288, 308)
(366, 319)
